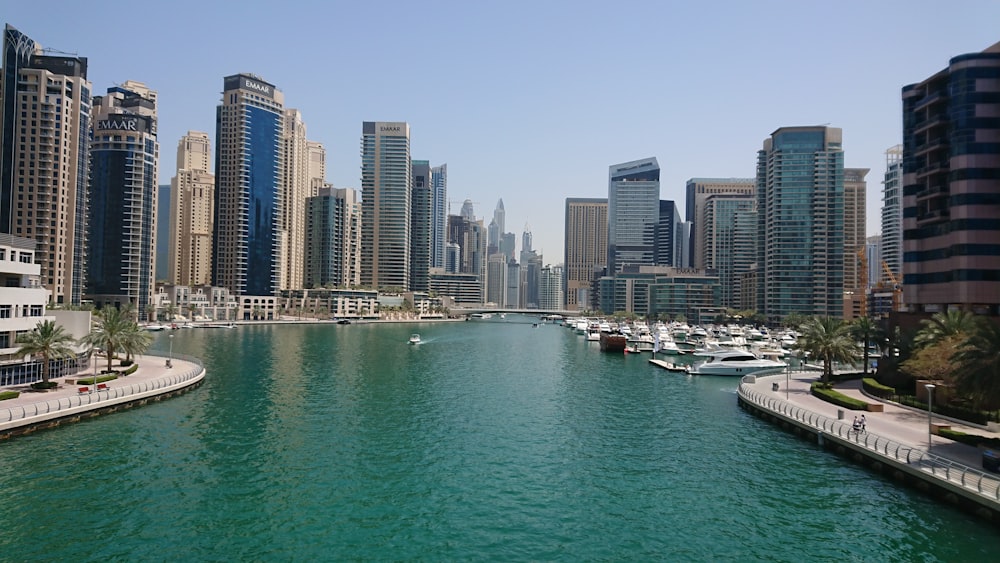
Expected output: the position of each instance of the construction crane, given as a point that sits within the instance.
(896, 288)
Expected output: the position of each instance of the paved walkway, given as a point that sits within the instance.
(898, 423)
(151, 368)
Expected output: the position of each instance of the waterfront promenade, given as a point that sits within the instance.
(72, 401)
(898, 437)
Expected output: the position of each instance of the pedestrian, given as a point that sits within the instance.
(857, 424)
(864, 424)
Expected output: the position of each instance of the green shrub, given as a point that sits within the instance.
(126, 363)
(45, 385)
(4, 395)
(877, 389)
(970, 439)
(130, 370)
(823, 391)
(99, 379)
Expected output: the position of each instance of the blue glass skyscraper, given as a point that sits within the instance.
(439, 215)
(633, 213)
(246, 244)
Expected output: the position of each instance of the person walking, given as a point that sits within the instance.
(864, 424)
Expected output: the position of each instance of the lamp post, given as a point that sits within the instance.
(930, 410)
(93, 353)
(170, 355)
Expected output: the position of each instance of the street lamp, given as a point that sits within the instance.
(930, 408)
(170, 355)
(94, 354)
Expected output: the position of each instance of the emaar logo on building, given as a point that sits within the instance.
(257, 87)
(119, 124)
(390, 129)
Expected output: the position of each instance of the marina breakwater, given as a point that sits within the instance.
(945, 478)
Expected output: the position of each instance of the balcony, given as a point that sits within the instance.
(932, 191)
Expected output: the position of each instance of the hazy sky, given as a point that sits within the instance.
(532, 101)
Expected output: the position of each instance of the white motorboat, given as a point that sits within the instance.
(414, 338)
(735, 363)
(156, 327)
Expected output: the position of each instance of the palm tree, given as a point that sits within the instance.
(134, 341)
(979, 365)
(111, 328)
(829, 339)
(944, 324)
(864, 329)
(192, 310)
(49, 341)
(257, 313)
(170, 310)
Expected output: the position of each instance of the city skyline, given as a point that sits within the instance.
(538, 97)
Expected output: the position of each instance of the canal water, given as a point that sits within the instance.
(491, 440)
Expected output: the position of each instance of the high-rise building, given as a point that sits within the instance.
(500, 225)
(333, 238)
(800, 204)
(508, 244)
(550, 284)
(421, 225)
(729, 224)
(873, 250)
(496, 279)
(296, 185)
(317, 167)
(162, 270)
(439, 215)
(682, 244)
(585, 247)
(192, 211)
(44, 166)
(951, 187)
(666, 235)
(697, 191)
(453, 258)
(470, 236)
(246, 240)
(633, 213)
(892, 214)
(855, 192)
(512, 293)
(124, 157)
(386, 204)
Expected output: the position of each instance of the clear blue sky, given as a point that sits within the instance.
(531, 101)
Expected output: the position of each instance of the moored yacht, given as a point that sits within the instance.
(735, 363)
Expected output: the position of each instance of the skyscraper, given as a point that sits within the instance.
(800, 204)
(550, 284)
(728, 224)
(386, 204)
(333, 238)
(296, 185)
(421, 225)
(633, 213)
(586, 247)
(192, 209)
(951, 187)
(855, 192)
(248, 171)
(666, 235)
(892, 214)
(496, 279)
(698, 191)
(124, 158)
(439, 215)
(44, 166)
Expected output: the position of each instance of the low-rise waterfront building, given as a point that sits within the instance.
(332, 303)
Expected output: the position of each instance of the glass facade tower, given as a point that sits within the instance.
(633, 213)
(386, 187)
(800, 199)
(124, 156)
(248, 167)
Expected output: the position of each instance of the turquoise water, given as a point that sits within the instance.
(489, 441)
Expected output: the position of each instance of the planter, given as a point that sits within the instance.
(875, 407)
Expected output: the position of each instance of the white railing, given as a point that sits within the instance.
(971, 479)
(104, 395)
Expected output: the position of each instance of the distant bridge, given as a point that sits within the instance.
(537, 312)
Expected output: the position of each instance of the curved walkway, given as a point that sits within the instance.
(898, 433)
(153, 378)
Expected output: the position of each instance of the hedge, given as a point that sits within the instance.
(875, 388)
(99, 379)
(4, 395)
(130, 370)
(820, 390)
(970, 439)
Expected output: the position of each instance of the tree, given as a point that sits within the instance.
(192, 310)
(150, 312)
(794, 320)
(109, 331)
(944, 324)
(978, 361)
(170, 310)
(134, 341)
(935, 360)
(865, 330)
(828, 339)
(257, 313)
(48, 341)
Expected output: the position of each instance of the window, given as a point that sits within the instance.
(5, 311)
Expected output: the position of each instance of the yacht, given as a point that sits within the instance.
(735, 362)
(414, 338)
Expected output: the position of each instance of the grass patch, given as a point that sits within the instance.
(825, 392)
(92, 380)
(970, 439)
(4, 395)
(45, 385)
